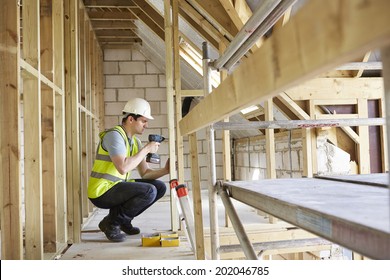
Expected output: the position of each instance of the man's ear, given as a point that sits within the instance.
(130, 119)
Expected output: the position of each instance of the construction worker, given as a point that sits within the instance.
(110, 184)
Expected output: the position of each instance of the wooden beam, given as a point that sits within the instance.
(109, 3)
(116, 33)
(169, 82)
(149, 11)
(112, 24)
(337, 88)
(32, 134)
(296, 53)
(195, 21)
(197, 197)
(72, 120)
(177, 86)
(117, 40)
(48, 108)
(58, 80)
(116, 15)
(238, 13)
(10, 136)
(294, 107)
(364, 143)
(270, 140)
(216, 14)
(192, 92)
(154, 27)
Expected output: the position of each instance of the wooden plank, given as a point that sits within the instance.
(337, 88)
(313, 109)
(170, 104)
(236, 15)
(58, 79)
(364, 142)
(72, 120)
(154, 27)
(32, 134)
(177, 87)
(149, 11)
(351, 215)
(111, 15)
(112, 24)
(187, 16)
(270, 140)
(109, 3)
(48, 130)
(383, 133)
(34, 71)
(191, 92)
(10, 136)
(215, 13)
(115, 33)
(197, 197)
(294, 107)
(305, 47)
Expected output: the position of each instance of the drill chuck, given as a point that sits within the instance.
(156, 138)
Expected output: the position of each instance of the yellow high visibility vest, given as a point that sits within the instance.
(104, 174)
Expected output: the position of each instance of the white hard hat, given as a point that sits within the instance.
(138, 106)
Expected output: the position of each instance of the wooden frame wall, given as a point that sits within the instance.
(41, 82)
(11, 185)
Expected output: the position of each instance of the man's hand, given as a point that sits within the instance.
(167, 166)
(152, 147)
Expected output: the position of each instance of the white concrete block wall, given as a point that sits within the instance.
(128, 74)
(250, 159)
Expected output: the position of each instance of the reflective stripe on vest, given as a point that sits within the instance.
(104, 174)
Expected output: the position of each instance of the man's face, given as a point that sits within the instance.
(139, 125)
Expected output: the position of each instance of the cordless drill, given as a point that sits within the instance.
(154, 158)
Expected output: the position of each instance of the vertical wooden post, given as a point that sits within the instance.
(177, 78)
(383, 133)
(307, 147)
(170, 104)
(270, 139)
(48, 130)
(197, 197)
(313, 136)
(83, 85)
(364, 145)
(72, 120)
(32, 133)
(58, 79)
(10, 138)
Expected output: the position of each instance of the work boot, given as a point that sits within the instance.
(129, 229)
(113, 233)
(103, 224)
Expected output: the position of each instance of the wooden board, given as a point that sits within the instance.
(352, 215)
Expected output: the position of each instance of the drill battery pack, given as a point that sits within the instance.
(153, 158)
